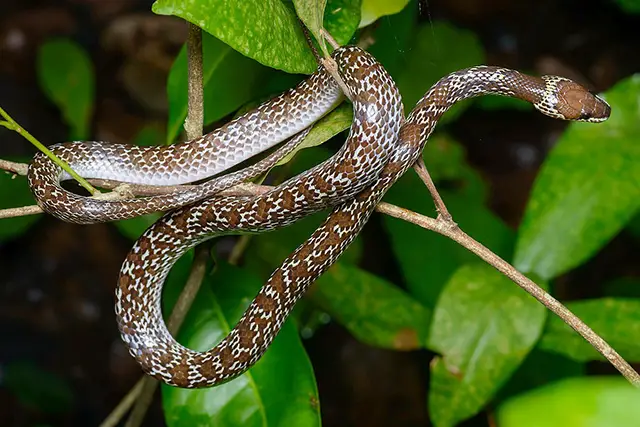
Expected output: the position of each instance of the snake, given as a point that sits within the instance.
(285, 117)
(381, 146)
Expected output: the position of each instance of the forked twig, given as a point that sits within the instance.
(445, 225)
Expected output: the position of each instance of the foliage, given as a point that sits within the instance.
(488, 335)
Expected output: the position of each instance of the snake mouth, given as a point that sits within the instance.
(599, 113)
(606, 108)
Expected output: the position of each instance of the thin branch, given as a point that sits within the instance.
(22, 211)
(423, 173)
(125, 404)
(452, 231)
(193, 125)
(239, 248)
(445, 225)
(17, 168)
(185, 300)
(328, 37)
(327, 61)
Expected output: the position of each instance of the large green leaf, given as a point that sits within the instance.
(577, 402)
(339, 17)
(626, 287)
(372, 309)
(615, 319)
(230, 80)
(311, 13)
(374, 9)
(278, 391)
(265, 30)
(483, 326)
(538, 369)
(37, 388)
(630, 6)
(65, 74)
(439, 49)
(587, 190)
(14, 193)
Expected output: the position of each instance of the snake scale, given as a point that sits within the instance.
(381, 146)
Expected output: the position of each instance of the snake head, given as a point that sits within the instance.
(570, 101)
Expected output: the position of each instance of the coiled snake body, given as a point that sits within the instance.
(379, 149)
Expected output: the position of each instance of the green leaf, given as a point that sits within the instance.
(278, 391)
(630, 6)
(627, 287)
(65, 73)
(229, 78)
(37, 388)
(587, 190)
(341, 19)
(634, 226)
(265, 30)
(14, 193)
(427, 260)
(614, 319)
(372, 309)
(538, 369)
(439, 49)
(311, 13)
(374, 9)
(483, 326)
(274, 37)
(578, 402)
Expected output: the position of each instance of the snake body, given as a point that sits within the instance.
(379, 149)
(283, 117)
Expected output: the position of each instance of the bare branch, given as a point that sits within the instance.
(423, 173)
(22, 211)
(328, 37)
(193, 125)
(17, 168)
(113, 419)
(450, 230)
